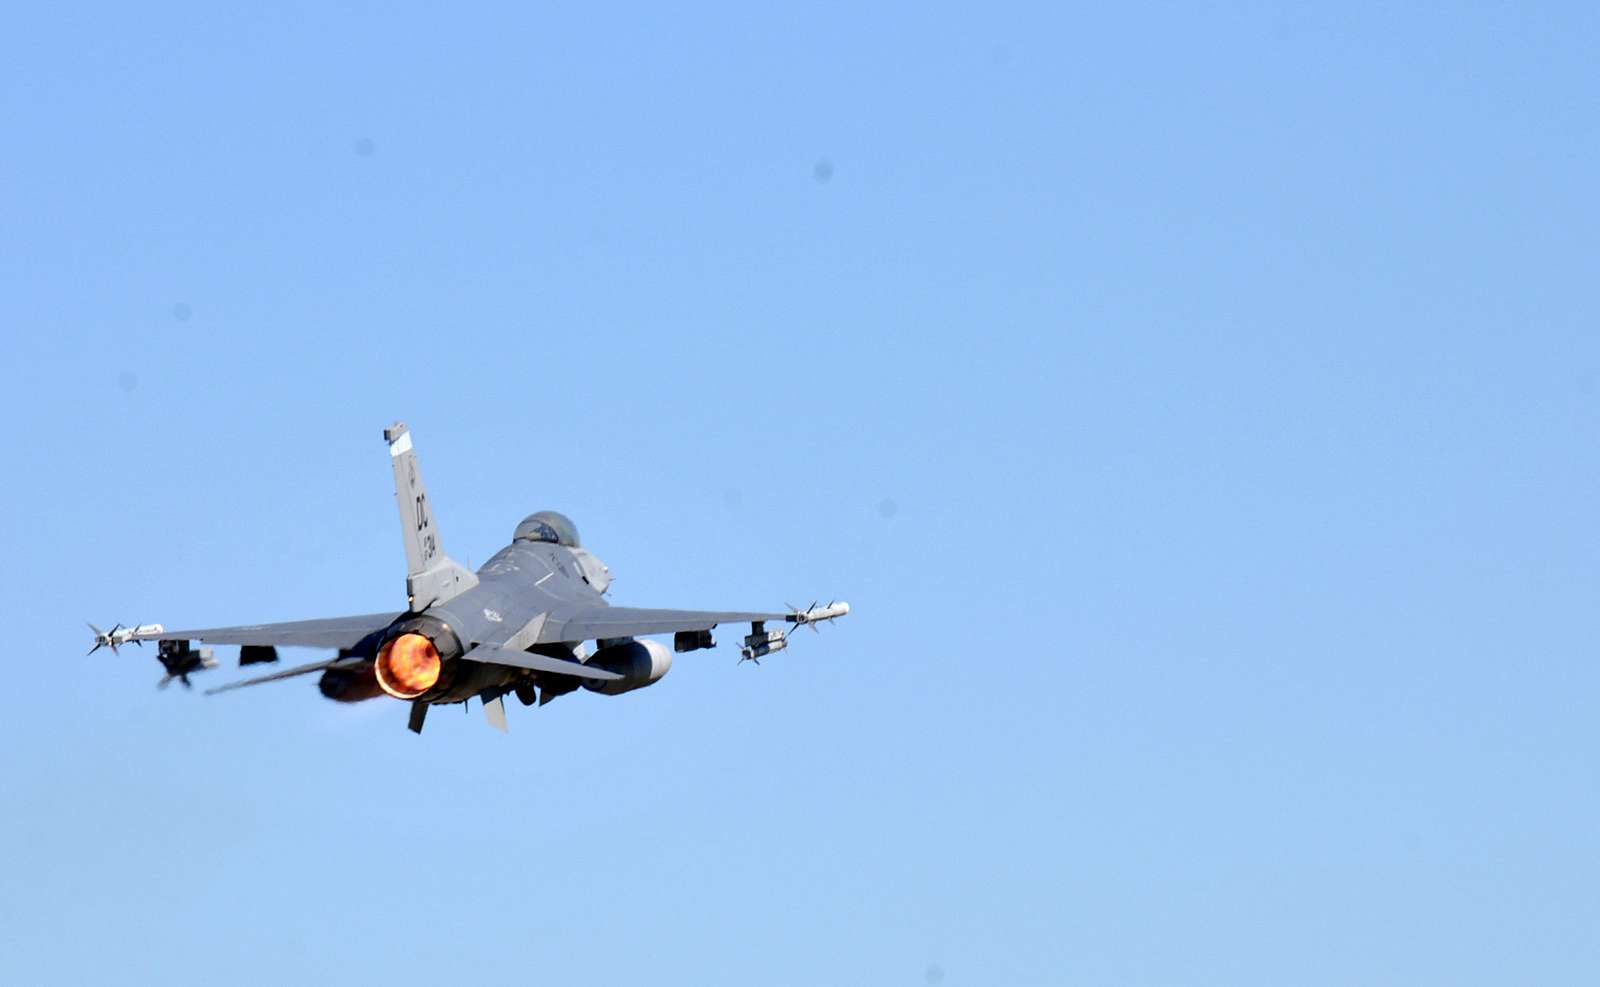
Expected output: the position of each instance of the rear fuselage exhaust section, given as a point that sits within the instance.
(416, 658)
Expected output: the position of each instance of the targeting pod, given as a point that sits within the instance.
(692, 641)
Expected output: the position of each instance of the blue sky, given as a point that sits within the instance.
(1196, 403)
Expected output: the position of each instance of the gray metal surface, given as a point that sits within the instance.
(328, 632)
(431, 576)
(491, 655)
(591, 622)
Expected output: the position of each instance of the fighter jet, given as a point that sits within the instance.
(522, 624)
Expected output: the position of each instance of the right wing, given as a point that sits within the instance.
(329, 632)
(596, 622)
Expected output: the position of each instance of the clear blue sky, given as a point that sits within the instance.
(1197, 404)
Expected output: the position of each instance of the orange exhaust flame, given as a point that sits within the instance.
(408, 666)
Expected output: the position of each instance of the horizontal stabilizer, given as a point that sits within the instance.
(289, 673)
(491, 655)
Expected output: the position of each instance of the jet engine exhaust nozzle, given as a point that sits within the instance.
(408, 666)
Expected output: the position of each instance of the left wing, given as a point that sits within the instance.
(329, 632)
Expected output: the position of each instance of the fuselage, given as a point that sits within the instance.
(519, 583)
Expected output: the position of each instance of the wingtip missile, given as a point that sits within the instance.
(118, 635)
(820, 614)
(762, 642)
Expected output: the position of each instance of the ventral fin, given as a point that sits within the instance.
(494, 710)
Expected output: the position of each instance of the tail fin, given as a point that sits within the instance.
(431, 576)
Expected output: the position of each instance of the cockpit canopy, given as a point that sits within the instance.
(550, 526)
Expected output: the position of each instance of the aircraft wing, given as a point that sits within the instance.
(590, 622)
(329, 632)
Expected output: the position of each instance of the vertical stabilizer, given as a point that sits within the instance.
(431, 576)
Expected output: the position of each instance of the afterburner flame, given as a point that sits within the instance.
(408, 666)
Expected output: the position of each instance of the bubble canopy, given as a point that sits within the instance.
(548, 526)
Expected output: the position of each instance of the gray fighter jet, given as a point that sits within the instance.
(520, 625)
